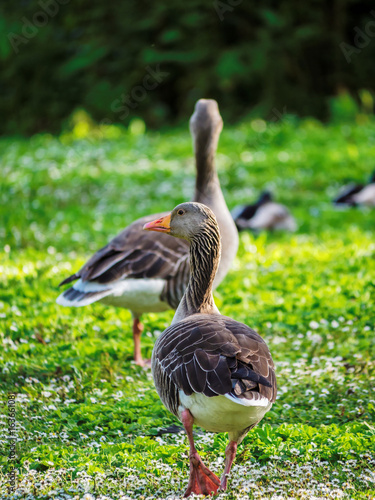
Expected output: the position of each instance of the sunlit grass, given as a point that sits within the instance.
(88, 418)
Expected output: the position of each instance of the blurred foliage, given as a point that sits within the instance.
(119, 174)
(57, 55)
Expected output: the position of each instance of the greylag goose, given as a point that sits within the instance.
(148, 272)
(208, 369)
(265, 213)
(358, 194)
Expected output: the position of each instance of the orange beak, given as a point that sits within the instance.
(161, 225)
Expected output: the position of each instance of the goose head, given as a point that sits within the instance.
(265, 197)
(186, 221)
(205, 127)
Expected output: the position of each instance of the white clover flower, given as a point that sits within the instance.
(94, 444)
(295, 451)
(88, 496)
(314, 325)
(69, 401)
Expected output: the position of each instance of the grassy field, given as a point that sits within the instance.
(88, 418)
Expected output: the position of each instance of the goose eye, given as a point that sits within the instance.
(180, 212)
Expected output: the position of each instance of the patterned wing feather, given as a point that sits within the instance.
(135, 253)
(138, 254)
(213, 354)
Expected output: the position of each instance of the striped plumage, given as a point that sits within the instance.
(148, 272)
(209, 369)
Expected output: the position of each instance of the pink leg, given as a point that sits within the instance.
(202, 481)
(137, 330)
(230, 453)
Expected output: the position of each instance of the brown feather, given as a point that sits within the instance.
(140, 254)
(213, 354)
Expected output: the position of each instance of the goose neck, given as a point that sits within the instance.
(205, 249)
(205, 145)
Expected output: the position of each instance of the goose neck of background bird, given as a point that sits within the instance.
(208, 189)
(205, 249)
(205, 145)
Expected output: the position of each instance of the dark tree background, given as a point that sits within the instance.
(60, 55)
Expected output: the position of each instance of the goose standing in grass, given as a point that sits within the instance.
(358, 194)
(148, 272)
(264, 214)
(209, 369)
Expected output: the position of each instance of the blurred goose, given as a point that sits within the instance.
(208, 369)
(358, 194)
(148, 272)
(264, 214)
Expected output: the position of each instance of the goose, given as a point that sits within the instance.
(265, 213)
(358, 194)
(148, 272)
(209, 369)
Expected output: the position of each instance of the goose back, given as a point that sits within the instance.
(212, 355)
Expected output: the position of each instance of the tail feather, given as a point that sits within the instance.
(69, 280)
(76, 298)
(253, 399)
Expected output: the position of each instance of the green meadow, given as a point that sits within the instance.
(89, 419)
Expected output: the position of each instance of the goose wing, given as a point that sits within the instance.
(213, 355)
(133, 253)
(269, 216)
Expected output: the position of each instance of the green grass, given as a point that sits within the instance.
(88, 417)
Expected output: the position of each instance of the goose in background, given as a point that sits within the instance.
(148, 272)
(264, 214)
(208, 369)
(358, 194)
